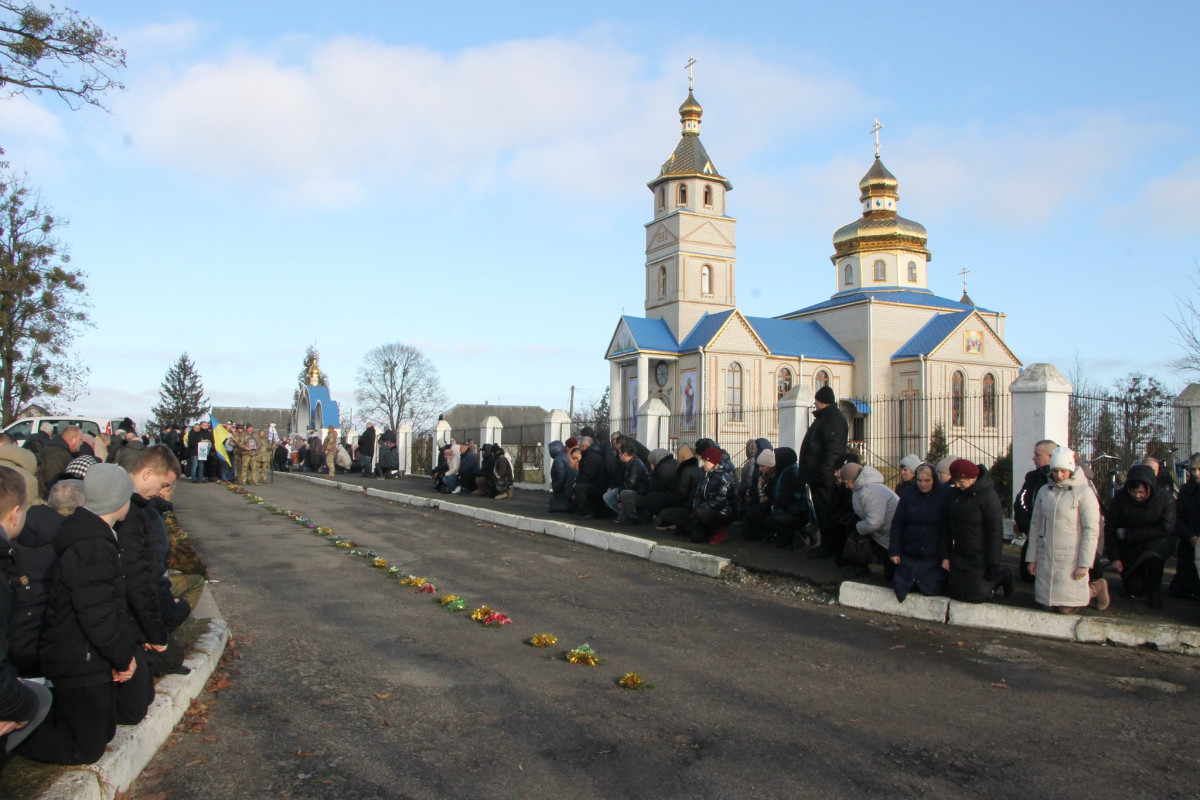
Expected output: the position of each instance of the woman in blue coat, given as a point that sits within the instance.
(916, 528)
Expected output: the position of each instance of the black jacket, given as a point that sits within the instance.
(156, 515)
(1035, 479)
(824, 444)
(635, 476)
(366, 442)
(1187, 511)
(1134, 531)
(788, 495)
(972, 535)
(88, 631)
(136, 540)
(687, 477)
(592, 468)
(36, 563)
(662, 479)
(52, 461)
(17, 702)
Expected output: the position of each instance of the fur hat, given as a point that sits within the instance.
(826, 395)
(1063, 458)
(766, 458)
(962, 468)
(106, 488)
(712, 455)
(943, 466)
(911, 462)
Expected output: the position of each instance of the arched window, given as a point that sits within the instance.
(989, 400)
(733, 392)
(683, 194)
(821, 379)
(706, 280)
(783, 382)
(708, 195)
(880, 270)
(662, 197)
(957, 381)
(849, 273)
(662, 282)
(912, 272)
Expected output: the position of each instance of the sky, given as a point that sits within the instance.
(470, 178)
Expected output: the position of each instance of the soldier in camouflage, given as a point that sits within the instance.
(245, 447)
(262, 459)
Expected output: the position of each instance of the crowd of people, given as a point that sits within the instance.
(485, 471)
(87, 612)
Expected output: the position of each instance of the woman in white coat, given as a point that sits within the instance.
(1063, 536)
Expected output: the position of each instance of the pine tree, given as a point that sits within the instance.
(311, 357)
(181, 398)
(939, 448)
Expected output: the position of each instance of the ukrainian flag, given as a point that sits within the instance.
(220, 434)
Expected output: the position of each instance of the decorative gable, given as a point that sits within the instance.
(708, 234)
(737, 336)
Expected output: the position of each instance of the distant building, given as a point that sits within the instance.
(315, 407)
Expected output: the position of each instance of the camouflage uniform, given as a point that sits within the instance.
(331, 446)
(244, 447)
(261, 459)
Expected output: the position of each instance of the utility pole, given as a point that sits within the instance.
(571, 413)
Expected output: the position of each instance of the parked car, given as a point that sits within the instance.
(23, 428)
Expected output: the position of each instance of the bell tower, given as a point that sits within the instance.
(690, 247)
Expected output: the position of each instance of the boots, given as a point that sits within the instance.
(1100, 593)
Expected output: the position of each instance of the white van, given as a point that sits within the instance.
(23, 428)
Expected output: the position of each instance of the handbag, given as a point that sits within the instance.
(858, 550)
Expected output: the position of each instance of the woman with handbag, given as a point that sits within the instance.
(972, 536)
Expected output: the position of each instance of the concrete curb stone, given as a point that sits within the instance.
(134, 746)
(631, 545)
(883, 600)
(562, 530)
(690, 560)
(592, 537)
(1014, 620)
(1171, 638)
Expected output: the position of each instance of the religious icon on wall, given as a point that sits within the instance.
(633, 405)
(687, 382)
(973, 342)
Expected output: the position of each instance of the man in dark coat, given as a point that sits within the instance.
(972, 536)
(823, 446)
(790, 508)
(688, 473)
(593, 479)
(1035, 479)
(1186, 583)
(88, 646)
(366, 449)
(55, 456)
(1138, 523)
(635, 484)
(662, 484)
(22, 705)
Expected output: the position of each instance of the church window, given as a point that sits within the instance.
(662, 282)
(683, 194)
(880, 270)
(849, 273)
(956, 398)
(783, 382)
(821, 379)
(662, 197)
(733, 392)
(706, 280)
(912, 272)
(989, 400)
(708, 196)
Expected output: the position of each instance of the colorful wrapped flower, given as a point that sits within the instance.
(495, 620)
(543, 639)
(393, 570)
(458, 604)
(447, 599)
(632, 681)
(324, 530)
(343, 543)
(481, 613)
(379, 563)
(427, 588)
(412, 580)
(583, 655)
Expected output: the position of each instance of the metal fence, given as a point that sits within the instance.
(1111, 433)
(523, 443)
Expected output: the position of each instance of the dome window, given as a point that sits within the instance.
(880, 270)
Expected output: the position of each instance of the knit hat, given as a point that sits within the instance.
(658, 454)
(826, 395)
(712, 455)
(1063, 458)
(962, 468)
(80, 465)
(943, 466)
(766, 458)
(572, 442)
(106, 488)
(911, 462)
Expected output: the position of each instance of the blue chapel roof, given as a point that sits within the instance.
(932, 334)
(329, 407)
(651, 334)
(799, 338)
(901, 296)
(704, 331)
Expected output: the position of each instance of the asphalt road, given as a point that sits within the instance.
(348, 685)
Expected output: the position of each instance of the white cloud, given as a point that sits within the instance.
(355, 117)
(1165, 205)
(158, 39)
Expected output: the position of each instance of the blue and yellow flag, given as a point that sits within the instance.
(220, 434)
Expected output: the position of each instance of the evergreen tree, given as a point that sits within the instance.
(181, 398)
(311, 357)
(1002, 477)
(939, 448)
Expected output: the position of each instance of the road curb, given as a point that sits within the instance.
(994, 616)
(691, 560)
(134, 746)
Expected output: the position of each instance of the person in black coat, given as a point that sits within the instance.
(173, 610)
(1186, 582)
(592, 480)
(663, 467)
(823, 447)
(88, 646)
(635, 484)
(757, 498)
(23, 705)
(1138, 523)
(1035, 479)
(366, 450)
(791, 511)
(972, 536)
(688, 473)
(915, 542)
(37, 562)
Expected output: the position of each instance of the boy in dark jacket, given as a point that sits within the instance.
(22, 705)
(635, 485)
(88, 645)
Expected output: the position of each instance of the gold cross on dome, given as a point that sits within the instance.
(964, 271)
(875, 130)
(692, 62)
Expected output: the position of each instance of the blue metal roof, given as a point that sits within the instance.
(904, 296)
(861, 406)
(932, 334)
(329, 407)
(704, 331)
(799, 338)
(651, 334)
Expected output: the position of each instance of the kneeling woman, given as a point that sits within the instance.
(1139, 521)
(1063, 534)
(972, 536)
(916, 535)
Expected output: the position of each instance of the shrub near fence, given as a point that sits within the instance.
(1111, 433)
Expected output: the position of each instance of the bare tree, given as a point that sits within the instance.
(1187, 328)
(398, 384)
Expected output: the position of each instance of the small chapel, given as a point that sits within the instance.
(882, 337)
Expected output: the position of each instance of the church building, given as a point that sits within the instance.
(881, 338)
